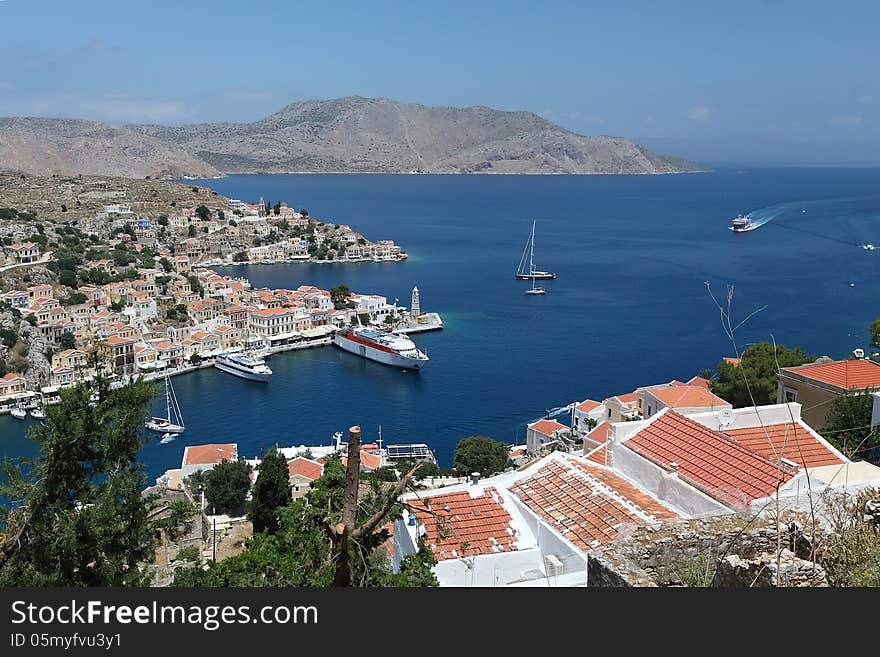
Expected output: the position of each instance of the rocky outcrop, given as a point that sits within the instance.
(39, 366)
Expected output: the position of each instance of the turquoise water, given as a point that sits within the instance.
(629, 307)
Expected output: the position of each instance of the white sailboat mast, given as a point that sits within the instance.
(532, 253)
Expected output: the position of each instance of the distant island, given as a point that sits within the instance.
(346, 135)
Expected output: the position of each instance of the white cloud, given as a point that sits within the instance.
(865, 100)
(846, 120)
(699, 113)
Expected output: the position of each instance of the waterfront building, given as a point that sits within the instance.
(622, 407)
(817, 384)
(302, 472)
(543, 433)
(273, 323)
(683, 398)
(588, 410)
(205, 457)
(12, 384)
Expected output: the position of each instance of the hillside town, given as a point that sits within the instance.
(134, 293)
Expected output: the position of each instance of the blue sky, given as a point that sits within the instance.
(784, 69)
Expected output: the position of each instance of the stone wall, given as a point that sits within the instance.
(661, 556)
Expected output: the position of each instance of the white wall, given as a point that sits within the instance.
(665, 487)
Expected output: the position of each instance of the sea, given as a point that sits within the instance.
(645, 266)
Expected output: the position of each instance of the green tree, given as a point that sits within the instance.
(30, 319)
(241, 256)
(481, 454)
(227, 485)
(848, 426)
(758, 367)
(203, 213)
(78, 516)
(162, 220)
(191, 231)
(195, 359)
(67, 341)
(339, 295)
(166, 264)
(332, 536)
(271, 492)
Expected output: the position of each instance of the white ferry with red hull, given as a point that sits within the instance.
(388, 348)
(741, 224)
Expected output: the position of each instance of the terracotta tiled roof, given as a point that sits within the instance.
(684, 396)
(790, 441)
(547, 427)
(733, 361)
(306, 468)
(586, 504)
(628, 398)
(460, 525)
(600, 455)
(207, 454)
(588, 405)
(708, 459)
(849, 374)
(699, 381)
(11, 376)
(600, 432)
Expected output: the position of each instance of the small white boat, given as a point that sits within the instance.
(18, 413)
(536, 290)
(168, 437)
(247, 365)
(38, 413)
(868, 247)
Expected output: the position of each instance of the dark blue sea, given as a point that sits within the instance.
(630, 306)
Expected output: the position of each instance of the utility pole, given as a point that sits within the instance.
(214, 541)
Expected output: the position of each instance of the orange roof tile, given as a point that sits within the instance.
(848, 374)
(306, 468)
(699, 381)
(629, 398)
(685, 396)
(208, 454)
(588, 405)
(586, 504)
(733, 361)
(547, 427)
(708, 459)
(460, 525)
(600, 432)
(790, 441)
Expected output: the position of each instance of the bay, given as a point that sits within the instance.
(630, 306)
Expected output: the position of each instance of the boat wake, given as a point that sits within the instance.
(852, 221)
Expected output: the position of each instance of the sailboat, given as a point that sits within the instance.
(173, 420)
(532, 273)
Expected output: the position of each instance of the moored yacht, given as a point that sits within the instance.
(247, 365)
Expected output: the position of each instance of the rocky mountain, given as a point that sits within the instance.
(357, 134)
(76, 146)
(348, 135)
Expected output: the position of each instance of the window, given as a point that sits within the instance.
(790, 395)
